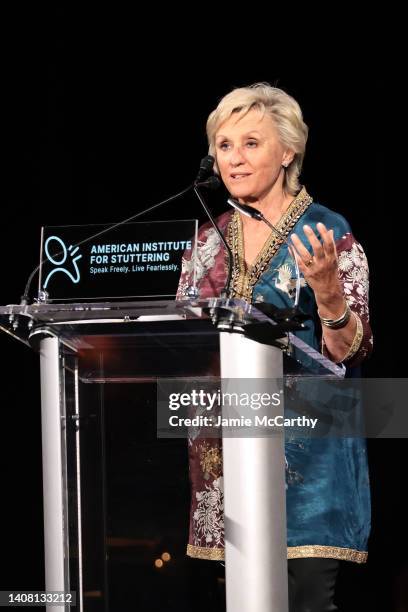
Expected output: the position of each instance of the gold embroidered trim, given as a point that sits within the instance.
(294, 552)
(210, 460)
(332, 552)
(200, 552)
(244, 279)
(358, 338)
(236, 244)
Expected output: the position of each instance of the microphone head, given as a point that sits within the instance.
(207, 163)
(206, 166)
(245, 209)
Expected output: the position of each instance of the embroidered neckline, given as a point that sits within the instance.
(244, 279)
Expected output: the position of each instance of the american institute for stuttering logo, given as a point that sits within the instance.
(62, 254)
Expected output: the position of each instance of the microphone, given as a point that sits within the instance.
(205, 170)
(254, 213)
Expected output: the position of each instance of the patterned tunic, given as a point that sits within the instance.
(327, 486)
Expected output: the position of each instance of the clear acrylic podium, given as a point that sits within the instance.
(116, 496)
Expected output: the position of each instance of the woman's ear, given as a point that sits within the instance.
(288, 157)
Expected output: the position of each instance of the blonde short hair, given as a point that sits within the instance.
(281, 107)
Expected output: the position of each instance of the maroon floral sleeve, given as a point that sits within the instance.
(353, 273)
(207, 262)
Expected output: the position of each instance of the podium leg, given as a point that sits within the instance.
(254, 493)
(54, 462)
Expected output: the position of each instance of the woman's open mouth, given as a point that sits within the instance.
(239, 176)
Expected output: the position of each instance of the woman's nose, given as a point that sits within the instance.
(236, 158)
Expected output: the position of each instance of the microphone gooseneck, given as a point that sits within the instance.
(226, 290)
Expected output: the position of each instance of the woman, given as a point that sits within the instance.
(258, 137)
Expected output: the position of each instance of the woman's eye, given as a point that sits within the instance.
(223, 146)
(252, 143)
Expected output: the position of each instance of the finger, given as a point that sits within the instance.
(318, 250)
(303, 264)
(295, 256)
(303, 268)
(301, 250)
(327, 237)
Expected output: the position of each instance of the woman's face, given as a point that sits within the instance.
(249, 155)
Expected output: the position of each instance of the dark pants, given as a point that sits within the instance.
(312, 584)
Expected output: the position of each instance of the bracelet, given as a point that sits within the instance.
(337, 323)
(358, 337)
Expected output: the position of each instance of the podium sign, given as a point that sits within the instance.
(134, 260)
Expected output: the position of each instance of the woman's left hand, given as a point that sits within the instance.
(320, 270)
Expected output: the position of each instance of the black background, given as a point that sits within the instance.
(104, 114)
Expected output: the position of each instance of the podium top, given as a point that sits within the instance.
(122, 312)
(75, 320)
